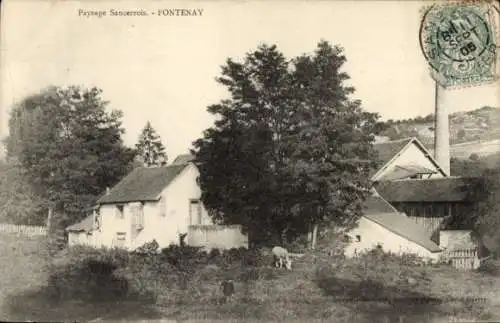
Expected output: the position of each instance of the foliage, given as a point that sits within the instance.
(290, 140)
(487, 221)
(150, 149)
(70, 146)
(20, 204)
(86, 273)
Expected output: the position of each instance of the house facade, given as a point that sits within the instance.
(160, 203)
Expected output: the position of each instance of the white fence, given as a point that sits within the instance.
(462, 259)
(28, 230)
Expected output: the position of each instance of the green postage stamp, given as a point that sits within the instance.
(459, 43)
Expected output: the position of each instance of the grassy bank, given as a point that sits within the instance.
(185, 284)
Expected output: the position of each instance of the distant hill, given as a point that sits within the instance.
(471, 132)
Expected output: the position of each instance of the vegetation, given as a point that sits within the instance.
(150, 149)
(298, 149)
(68, 147)
(479, 124)
(20, 204)
(370, 288)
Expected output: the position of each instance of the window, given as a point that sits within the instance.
(195, 212)
(347, 238)
(358, 238)
(121, 239)
(119, 212)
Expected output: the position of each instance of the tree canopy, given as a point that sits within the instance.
(289, 149)
(150, 149)
(70, 147)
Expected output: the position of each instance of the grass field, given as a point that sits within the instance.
(299, 295)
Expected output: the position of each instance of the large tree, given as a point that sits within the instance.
(289, 150)
(70, 147)
(150, 149)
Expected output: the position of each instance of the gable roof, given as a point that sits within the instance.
(447, 189)
(142, 184)
(183, 159)
(390, 150)
(376, 204)
(399, 224)
(86, 225)
(378, 210)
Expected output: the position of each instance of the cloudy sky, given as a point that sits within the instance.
(162, 68)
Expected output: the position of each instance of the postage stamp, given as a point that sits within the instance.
(459, 43)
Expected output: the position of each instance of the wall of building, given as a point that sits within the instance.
(80, 238)
(179, 193)
(166, 219)
(217, 236)
(411, 156)
(372, 234)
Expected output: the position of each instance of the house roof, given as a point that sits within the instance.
(378, 210)
(142, 184)
(86, 225)
(447, 189)
(401, 225)
(376, 204)
(389, 150)
(183, 159)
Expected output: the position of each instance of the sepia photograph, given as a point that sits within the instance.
(250, 161)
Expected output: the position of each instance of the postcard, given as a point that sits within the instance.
(248, 161)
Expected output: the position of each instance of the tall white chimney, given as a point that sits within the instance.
(442, 129)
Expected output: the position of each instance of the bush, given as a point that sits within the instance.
(375, 274)
(490, 266)
(86, 273)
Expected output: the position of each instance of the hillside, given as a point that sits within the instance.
(476, 131)
(478, 125)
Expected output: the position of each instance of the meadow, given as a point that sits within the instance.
(184, 284)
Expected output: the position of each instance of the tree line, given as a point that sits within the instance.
(63, 150)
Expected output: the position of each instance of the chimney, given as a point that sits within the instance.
(442, 130)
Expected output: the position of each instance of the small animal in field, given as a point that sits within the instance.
(281, 258)
(227, 290)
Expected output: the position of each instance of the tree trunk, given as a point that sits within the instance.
(49, 219)
(314, 237)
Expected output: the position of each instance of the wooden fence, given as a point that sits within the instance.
(29, 230)
(462, 259)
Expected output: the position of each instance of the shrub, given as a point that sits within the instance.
(86, 273)
(490, 266)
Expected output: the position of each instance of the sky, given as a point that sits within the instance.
(163, 68)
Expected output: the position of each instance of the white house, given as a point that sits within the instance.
(158, 203)
(382, 225)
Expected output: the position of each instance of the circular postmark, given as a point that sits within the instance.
(458, 42)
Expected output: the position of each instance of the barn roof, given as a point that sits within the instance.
(401, 225)
(376, 204)
(142, 184)
(447, 189)
(86, 225)
(389, 150)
